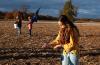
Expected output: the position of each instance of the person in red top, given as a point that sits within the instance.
(30, 25)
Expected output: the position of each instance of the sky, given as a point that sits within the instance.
(86, 8)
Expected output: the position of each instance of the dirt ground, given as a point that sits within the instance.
(44, 32)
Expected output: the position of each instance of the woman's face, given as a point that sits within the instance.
(29, 17)
(60, 23)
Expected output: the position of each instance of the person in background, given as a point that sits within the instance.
(30, 25)
(18, 23)
(67, 39)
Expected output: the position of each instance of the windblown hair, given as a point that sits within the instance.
(69, 28)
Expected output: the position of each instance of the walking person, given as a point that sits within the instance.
(30, 25)
(18, 23)
(67, 39)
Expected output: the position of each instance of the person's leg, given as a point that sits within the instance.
(30, 29)
(65, 59)
(30, 32)
(18, 31)
(16, 28)
(20, 26)
(73, 59)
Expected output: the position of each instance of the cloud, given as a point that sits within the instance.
(88, 11)
(51, 12)
(84, 11)
(2, 9)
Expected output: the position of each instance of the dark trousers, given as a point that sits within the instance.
(30, 32)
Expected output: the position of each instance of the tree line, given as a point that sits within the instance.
(13, 14)
(69, 10)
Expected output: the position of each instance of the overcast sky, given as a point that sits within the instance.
(87, 8)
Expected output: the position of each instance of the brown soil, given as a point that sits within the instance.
(44, 33)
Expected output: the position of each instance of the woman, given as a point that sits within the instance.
(67, 39)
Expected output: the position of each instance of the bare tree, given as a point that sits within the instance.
(24, 9)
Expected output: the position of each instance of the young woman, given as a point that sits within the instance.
(67, 38)
(29, 25)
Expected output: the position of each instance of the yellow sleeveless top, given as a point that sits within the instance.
(70, 47)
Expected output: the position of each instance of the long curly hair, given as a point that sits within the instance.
(69, 28)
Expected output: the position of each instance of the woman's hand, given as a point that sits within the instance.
(46, 45)
(58, 46)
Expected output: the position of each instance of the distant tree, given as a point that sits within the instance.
(69, 10)
(15, 13)
(24, 9)
(2, 15)
(9, 15)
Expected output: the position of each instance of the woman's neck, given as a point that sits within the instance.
(64, 26)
